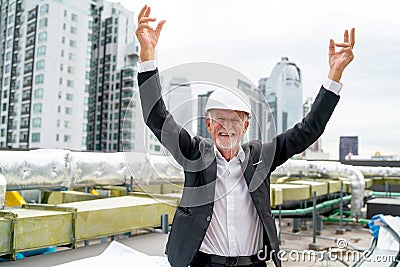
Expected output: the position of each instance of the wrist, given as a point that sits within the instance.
(335, 75)
(146, 55)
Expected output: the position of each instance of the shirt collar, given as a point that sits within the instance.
(240, 155)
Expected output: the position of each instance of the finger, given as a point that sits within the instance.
(346, 36)
(147, 13)
(343, 44)
(146, 19)
(353, 37)
(160, 26)
(348, 51)
(331, 47)
(142, 12)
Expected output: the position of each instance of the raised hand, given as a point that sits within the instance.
(339, 60)
(147, 36)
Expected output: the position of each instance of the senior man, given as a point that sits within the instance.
(224, 217)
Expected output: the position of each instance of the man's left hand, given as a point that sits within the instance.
(339, 60)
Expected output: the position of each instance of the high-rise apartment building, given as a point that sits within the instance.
(283, 91)
(44, 73)
(259, 125)
(112, 125)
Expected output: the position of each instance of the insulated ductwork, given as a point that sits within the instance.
(63, 168)
(329, 169)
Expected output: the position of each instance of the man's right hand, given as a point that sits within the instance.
(147, 36)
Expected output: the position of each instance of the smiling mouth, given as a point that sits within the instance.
(226, 134)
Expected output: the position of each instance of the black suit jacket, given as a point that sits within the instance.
(197, 157)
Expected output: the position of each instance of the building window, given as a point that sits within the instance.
(35, 137)
(71, 56)
(58, 108)
(4, 106)
(37, 108)
(57, 137)
(36, 123)
(63, 39)
(72, 43)
(38, 93)
(70, 83)
(40, 65)
(67, 124)
(42, 36)
(70, 97)
(68, 111)
(44, 9)
(10, 31)
(58, 123)
(74, 17)
(41, 50)
(10, 19)
(59, 95)
(60, 81)
(71, 70)
(73, 30)
(62, 53)
(67, 138)
(43, 23)
(6, 81)
(65, 13)
(61, 67)
(39, 79)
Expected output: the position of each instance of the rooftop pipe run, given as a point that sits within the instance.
(329, 169)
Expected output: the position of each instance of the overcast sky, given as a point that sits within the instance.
(252, 36)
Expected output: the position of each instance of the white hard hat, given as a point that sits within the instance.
(228, 99)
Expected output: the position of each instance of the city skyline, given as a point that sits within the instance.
(221, 32)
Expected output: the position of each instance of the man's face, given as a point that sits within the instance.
(227, 128)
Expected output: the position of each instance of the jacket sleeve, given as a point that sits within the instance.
(172, 136)
(304, 133)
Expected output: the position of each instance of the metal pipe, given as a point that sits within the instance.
(382, 194)
(323, 205)
(314, 217)
(350, 220)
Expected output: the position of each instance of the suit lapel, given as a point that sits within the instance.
(210, 169)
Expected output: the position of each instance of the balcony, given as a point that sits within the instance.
(25, 112)
(26, 98)
(23, 140)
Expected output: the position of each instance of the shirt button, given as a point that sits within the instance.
(208, 218)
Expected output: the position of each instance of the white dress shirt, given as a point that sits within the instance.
(235, 228)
